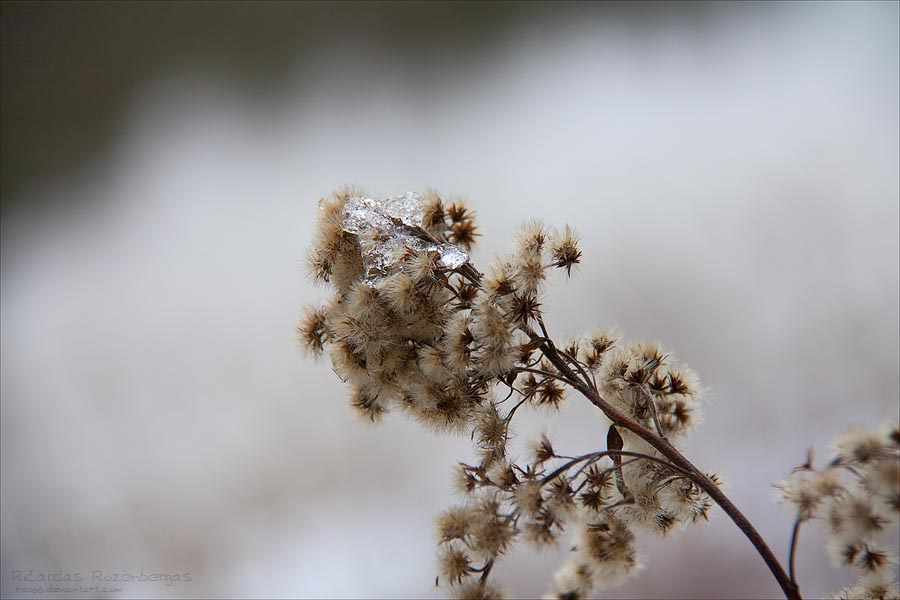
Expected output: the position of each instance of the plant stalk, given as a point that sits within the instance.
(795, 538)
(790, 589)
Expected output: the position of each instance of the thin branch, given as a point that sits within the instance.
(513, 410)
(614, 442)
(582, 468)
(544, 373)
(486, 571)
(540, 320)
(795, 538)
(651, 405)
(588, 379)
(610, 453)
(666, 449)
(512, 391)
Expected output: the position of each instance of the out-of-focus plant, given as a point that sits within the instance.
(856, 497)
(413, 326)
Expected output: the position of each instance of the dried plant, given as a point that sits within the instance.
(413, 326)
(856, 497)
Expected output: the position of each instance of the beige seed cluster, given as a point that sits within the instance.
(856, 499)
(461, 351)
(413, 327)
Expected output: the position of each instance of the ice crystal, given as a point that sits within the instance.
(387, 228)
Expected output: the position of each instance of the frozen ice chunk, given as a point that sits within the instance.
(361, 214)
(452, 257)
(387, 228)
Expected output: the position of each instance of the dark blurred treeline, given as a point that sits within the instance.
(69, 68)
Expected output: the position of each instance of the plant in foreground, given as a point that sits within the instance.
(412, 325)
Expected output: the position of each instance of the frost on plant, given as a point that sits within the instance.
(386, 229)
(412, 326)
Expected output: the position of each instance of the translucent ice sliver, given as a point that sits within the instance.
(362, 214)
(387, 227)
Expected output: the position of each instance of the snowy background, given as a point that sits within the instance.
(732, 168)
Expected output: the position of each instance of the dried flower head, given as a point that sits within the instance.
(565, 251)
(854, 497)
(412, 326)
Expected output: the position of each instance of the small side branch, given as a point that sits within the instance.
(593, 456)
(795, 538)
(677, 458)
(651, 406)
(614, 443)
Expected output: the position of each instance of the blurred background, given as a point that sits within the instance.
(733, 169)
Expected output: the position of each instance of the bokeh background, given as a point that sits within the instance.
(733, 169)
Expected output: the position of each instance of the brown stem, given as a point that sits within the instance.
(543, 373)
(486, 572)
(795, 537)
(610, 453)
(614, 442)
(588, 380)
(651, 406)
(666, 449)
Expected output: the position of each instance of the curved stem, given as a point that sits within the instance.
(486, 571)
(670, 452)
(588, 380)
(795, 537)
(598, 455)
(543, 373)
(651, 406)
